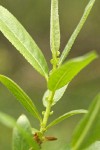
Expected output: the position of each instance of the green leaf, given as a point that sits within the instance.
(54, 28)
(65, 116)
(64, 74)
(76, 32)
(22, 41)
(21, 96)
(57, 96)
(18, 141)
(94, 146)
(88, 131)
(11, 123)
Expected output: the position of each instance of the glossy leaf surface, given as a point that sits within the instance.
(21, 96)
(64, 74)
(19, 37)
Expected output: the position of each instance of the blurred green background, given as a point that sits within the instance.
(35, 17)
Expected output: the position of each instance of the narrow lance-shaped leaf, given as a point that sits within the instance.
(23, 42)
(65, 116)
(76, 32)
(57, 96)
(88, 130)
(11, 123)
(21, 96)
(54, 28)
(64, 74)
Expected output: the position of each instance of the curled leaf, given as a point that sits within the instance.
(57, 96)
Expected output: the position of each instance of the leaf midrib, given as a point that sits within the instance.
(24, 45)
(23, 95)
(60, 79)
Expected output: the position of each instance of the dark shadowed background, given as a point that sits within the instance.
(34, 16)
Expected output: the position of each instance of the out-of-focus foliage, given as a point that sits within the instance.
(34, 15)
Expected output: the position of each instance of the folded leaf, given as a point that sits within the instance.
(88, 130)
(64, 74)
(76, 32)
(65, 116)
(23, 42)
(11, 122)
(57, 96)
(18, 141)
(54, 28)
(21, 96)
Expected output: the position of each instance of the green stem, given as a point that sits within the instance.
(47, 112)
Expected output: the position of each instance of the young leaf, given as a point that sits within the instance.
(11, 122)
(18, 141)
(23, 42)
(58, 94)
(54, 28)
(64, 74)
(65, 116)
(21, 96)
(76, 32)
(88, 131)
